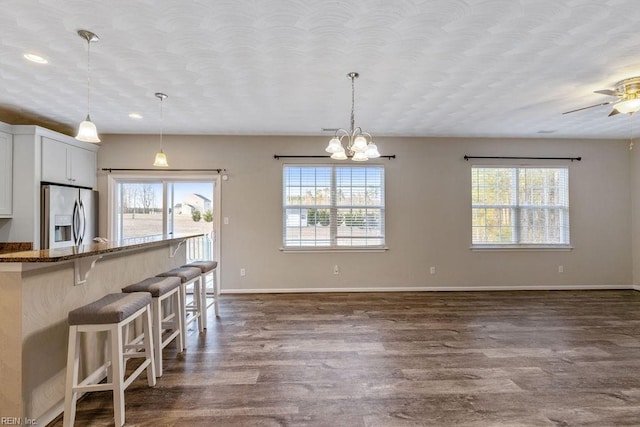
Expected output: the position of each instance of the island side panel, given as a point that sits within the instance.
(49, 294)
(11, 404)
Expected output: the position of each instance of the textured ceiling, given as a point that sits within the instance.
(427, 68)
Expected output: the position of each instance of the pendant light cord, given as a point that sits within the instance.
(88, 76)
(161, 122)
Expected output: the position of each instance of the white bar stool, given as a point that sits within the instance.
(110, 313)
(188, 276)
(208, 267)
(163, 289)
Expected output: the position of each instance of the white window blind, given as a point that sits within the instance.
(520, 206)
(333, 206)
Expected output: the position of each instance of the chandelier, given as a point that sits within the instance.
(360, 144)
(87, 131)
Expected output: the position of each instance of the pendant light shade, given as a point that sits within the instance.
(87, 130)
(161, 158)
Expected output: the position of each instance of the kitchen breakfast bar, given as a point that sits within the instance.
(38, 289)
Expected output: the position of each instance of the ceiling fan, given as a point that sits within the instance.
(626, 91)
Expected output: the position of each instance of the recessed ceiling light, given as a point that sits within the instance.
(135, 116)
(35, 58)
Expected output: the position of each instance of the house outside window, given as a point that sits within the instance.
(333, 207)
(520, 207)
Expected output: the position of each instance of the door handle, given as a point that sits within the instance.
(74, 220)
(83, 220)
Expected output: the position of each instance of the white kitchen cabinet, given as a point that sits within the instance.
(64, 163)
(42, 155)
(6, 175)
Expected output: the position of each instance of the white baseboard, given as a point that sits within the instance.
(51, 414)
(58, 408)
(433, 289)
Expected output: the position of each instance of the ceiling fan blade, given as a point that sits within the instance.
(608, 92)
(590, 106)
(613, 112)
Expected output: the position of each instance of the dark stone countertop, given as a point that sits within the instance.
(8, 247)
(74, 252)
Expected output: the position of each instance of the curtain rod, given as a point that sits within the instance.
(523, 158)
(278, 156)
(162, 170)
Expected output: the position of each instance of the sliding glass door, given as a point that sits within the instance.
(146, 206)
(139, 210)
(191, 210)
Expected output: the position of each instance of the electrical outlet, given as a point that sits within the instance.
(226, 220)
(336, 269)
(561, 269)
(243, 272)
(432, 270)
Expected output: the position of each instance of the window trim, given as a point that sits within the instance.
(521, 246)
(333, 207)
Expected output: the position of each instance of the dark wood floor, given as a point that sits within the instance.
(400, 359)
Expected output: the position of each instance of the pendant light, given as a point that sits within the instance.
(161, 158)
(359, 143)
(87, 131)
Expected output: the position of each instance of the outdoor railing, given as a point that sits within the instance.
(199, 248)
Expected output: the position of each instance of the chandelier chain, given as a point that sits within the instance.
(353, 103)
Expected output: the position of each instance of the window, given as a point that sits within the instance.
(520, 206)
(333, 207)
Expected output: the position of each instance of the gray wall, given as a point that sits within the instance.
(635, 212)
(427, 217)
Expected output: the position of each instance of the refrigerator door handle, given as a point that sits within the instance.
(83, 220)
(74, 220)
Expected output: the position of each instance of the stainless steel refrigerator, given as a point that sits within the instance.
(69, 216)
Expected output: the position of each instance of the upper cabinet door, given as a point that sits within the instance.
(83, 164)
(67, 164)
(6, 175)
(55, 165)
